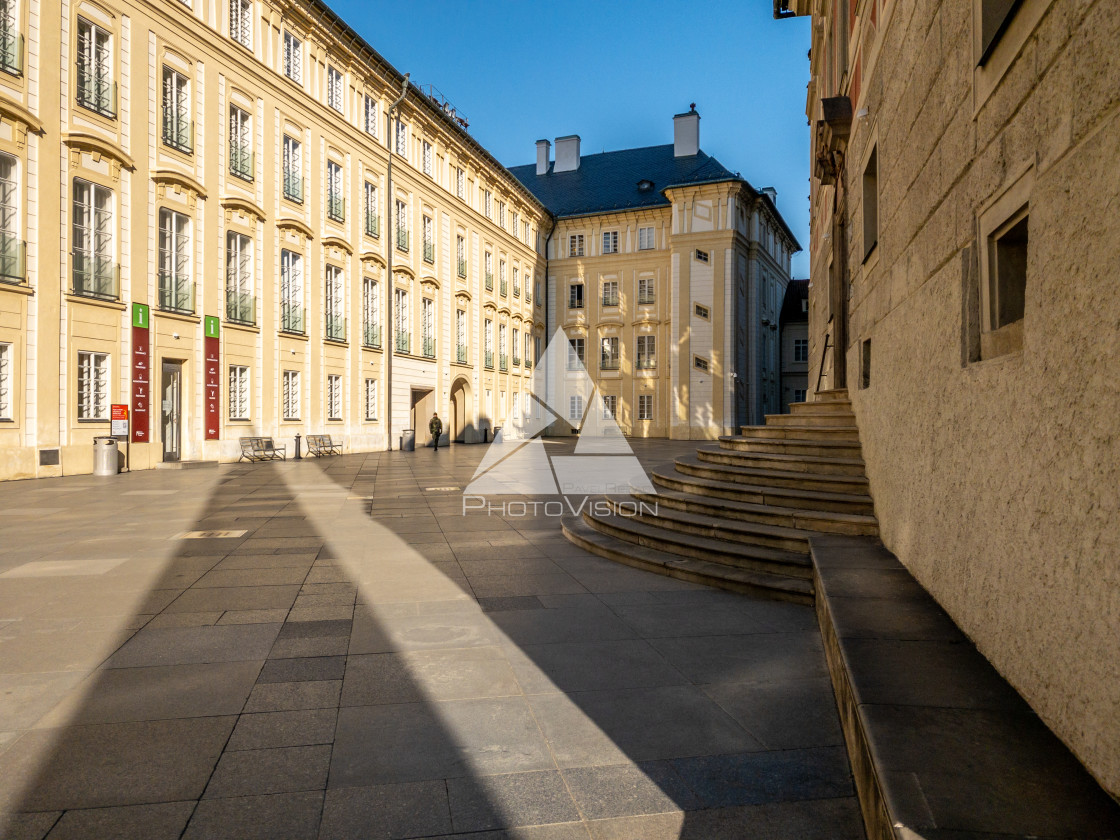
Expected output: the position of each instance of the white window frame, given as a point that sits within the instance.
(95, 60)
(610, 242)
(801, 350)
(292, 164)
(371, 310)
(241, 22)
(370, 111)
(336, 84)
(401, 320)
(610, 407)
(647, 240)
(610, 355)
(291, 286)
(335, 191)
(426, 157)
(239, 392)
(576, 353)
(334, 396)
(645, 406)
(575, 245)
(400, 142)
(5, 381)
(240, 142)
(575, 408)
(93, 227)
(174, 257)
(647, 352)
(293, 57)
(459, 181)
(334, 299)
(177, 126)
(371, 399)
(575, 299)
(291, 396)
(93, 385)
(239, 272)
(647, 291)
(610, 293)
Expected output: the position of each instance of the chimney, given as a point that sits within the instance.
(544, 152)
(686, 133)
(773, 193)
(567, 153)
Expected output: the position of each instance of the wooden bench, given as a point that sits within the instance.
(318, 445)
(262, 449)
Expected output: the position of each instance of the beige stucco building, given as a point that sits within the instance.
(964, 249)
(666, 272)
(177, 173)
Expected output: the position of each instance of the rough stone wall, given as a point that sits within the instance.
(997, 482)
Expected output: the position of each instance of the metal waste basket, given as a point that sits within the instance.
(408, 440)
(105, 456)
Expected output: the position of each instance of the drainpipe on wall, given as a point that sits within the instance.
(389, 286)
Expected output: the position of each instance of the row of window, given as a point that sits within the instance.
(610, 407)
(646, 242)
(532, 343)
(647, 293)
(609, 355)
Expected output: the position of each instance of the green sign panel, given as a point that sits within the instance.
(140, 315)
(211, 326)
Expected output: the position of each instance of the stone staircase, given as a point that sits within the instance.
(740, 516)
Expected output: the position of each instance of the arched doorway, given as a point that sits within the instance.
(463, 428)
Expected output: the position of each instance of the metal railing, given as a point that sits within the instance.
(489, 281)
(291, 318)
(490, 359)
(461, 354)
(336, 208)
(178, 135)
(528, 363)
(241, 308)
(402, 240)
(610, 299)
(96, 277)
(11, 52)
(608, 363)
(503, 362)
(371, 335)
(517, 361)
(13, 259)
(335, 328)
(516, 290)
(97, 94)
(293, 187)
(504, 288)
(429, 252)
(429, 344)
(462, 268)
(373, 224)
(645, 297)
(176, 296)
(646, 363)
(404, 342)
(240, 161)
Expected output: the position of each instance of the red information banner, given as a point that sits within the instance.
(141, 374)
(213, 383)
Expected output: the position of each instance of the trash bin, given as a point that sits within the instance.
(105, 456)
(408, 440)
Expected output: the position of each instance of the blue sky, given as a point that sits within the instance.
(614, 73)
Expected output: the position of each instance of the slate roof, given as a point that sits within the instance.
(796, 291)
(609, 180)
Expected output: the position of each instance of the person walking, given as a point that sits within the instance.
(436, 428)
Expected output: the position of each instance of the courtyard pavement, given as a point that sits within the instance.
(332, 649)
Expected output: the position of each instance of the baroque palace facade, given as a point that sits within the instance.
(964, 257)
(196, 224)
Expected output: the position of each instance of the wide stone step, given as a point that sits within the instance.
(787, 432)
(691, 569)
(817, 465)
(714, 527)
(823, 521)
(835, 407)
(832, 395)
(795, 446)
(779, 497)
(827, 420)
(707, 463)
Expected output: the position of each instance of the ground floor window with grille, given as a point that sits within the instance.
(575, 407)
(645, 407)
(334, 396)
(291, 395)
(93, 386)
(5, 382)
(610, 406)
(371, 399)
(238, 392)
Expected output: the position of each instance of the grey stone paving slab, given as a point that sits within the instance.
(540, 627)
(374, 679)
(628, 790)
(286, 575)
(274, 770)
(24, 696)
(235, 598)
(510, 801)
(291, 816)
(284, 696)
(766, 776)
(330, 612)
(296, 728)
(311, 646)
(753, 658)
(162, 821)
(186, 645)
(27, 826)
(120, 763)
(640, 724)
(384, 812)
(186, 619)
(422, 632)
(253, 616)
(557, 583)
(303, 669)
(119, 695)
(782, 715)
(562, 831)
(591, 666)
(418, 742)
(57, 651)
